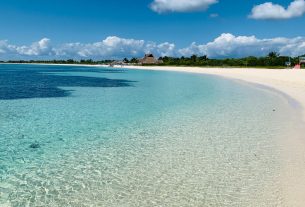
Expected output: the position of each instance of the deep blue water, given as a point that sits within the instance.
(21, 82)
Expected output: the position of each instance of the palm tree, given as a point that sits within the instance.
(273, 55)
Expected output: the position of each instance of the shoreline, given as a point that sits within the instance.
(288, 81)
(290, 84)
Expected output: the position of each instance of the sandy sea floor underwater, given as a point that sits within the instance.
(81, 136)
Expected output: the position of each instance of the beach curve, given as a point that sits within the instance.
(288, 82)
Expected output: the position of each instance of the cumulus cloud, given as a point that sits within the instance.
(275, 11)
(6, 48)
(163, 49)
(111, 47)
(228, 45)
(162, 6)
(115, 47)
(39, 48)
(225, 46)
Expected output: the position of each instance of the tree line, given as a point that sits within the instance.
(272, 60)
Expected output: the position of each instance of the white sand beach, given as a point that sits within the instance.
(290, 82)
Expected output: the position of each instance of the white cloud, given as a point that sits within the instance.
(162, 6)
(111, 47)
(6, 48)
(163, 49)
(275, 11)
(226, 45)
(39, 48)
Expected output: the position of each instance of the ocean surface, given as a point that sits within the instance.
(82, 136)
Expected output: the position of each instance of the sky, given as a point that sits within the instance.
(103, 29)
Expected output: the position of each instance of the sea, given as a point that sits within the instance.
(77, 136)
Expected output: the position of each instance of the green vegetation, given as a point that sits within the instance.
(272, 60)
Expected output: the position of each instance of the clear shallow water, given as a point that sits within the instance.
(75, 136)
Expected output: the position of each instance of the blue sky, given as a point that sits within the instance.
(25, 22)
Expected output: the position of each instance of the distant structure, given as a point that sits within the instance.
(301, 61)
(117, 62)
(297, 66)
(149, 59)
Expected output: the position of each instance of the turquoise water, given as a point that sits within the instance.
(80, 136)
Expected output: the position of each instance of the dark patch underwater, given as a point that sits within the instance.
(42, 81)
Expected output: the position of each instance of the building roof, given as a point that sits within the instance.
(149, 59)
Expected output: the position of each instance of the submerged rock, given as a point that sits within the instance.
(35, 145)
